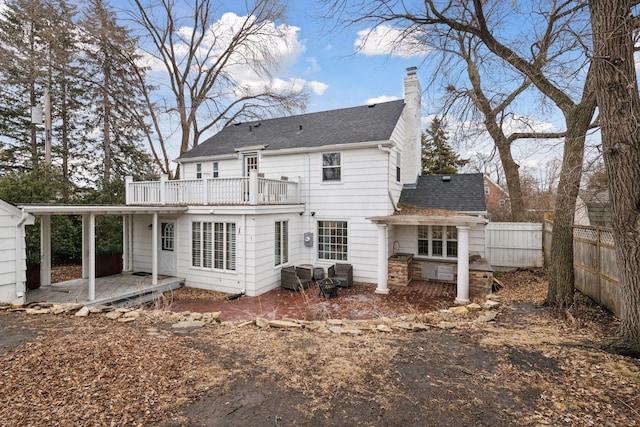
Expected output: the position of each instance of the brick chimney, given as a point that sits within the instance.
(411, 152)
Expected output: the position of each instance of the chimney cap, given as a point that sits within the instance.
(412, 71)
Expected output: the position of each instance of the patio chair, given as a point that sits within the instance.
(289, 279)
(341, 272)
(305, 274)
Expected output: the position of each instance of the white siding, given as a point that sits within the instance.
(514, 244)
(9, 217)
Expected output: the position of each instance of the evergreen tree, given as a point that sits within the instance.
(437, 155)
(114, 120)
(22, 69)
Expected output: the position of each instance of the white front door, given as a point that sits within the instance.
(167, 252)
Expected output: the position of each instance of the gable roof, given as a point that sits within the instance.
(348, 125)
(462, 192)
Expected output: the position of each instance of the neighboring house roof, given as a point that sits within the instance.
(460, 192)
(598, 206)
(374, 122)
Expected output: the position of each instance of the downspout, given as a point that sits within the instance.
(389, 151)
(20, 285)
(308, 202)
(244, 254)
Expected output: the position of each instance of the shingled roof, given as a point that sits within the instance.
(348, 125)
(458, 192)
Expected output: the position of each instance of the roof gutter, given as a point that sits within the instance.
(325, 148)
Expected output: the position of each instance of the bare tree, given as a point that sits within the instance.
(617, 92)
(557, 21)
(204, 57)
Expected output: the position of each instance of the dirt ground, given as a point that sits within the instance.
(530, 367)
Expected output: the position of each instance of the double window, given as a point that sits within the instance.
(213, 245)
(331, 167)
(332, 240)
(438, 241)
(281, 243)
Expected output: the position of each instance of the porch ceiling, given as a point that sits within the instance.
(100, 209)
(428, 220)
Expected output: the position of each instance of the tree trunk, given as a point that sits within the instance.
(512, 175)
(561, 274)
(619, 104)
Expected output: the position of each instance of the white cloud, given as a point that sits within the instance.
(381, 99)
(260, 62)
(317, 87)
(313, 65)
(388, 40)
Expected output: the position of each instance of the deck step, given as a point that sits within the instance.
(141, 296)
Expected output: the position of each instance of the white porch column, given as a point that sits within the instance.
(154, 254)
(383, 263)
(45, 250)
(85, 246)
(125, 242)
(463, 265)
(91, 228)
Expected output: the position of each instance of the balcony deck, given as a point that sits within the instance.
(252, 190)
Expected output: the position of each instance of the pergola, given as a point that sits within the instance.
(89, 213)
(460, 221)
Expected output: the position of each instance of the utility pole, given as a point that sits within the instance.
(47, 127)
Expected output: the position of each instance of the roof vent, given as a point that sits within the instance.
(299, 130)
(371, 105)
(446, 178)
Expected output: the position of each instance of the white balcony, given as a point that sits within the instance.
(252, 190)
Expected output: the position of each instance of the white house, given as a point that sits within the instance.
(317, 188)
(12, 252)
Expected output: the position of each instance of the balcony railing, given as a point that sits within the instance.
(252, 190)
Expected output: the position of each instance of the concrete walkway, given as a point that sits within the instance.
(119, 289)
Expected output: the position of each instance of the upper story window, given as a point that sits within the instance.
(398, 166)
(216, 174)
(331, 167)
(198, 170)
(501, 203)
(438, 241)
(486, 189)
(250, 163)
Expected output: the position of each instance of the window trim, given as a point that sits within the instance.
(328, 248)
(167, 236)
(429, 240)
(204, 246)
(281, 243)
(338, 167)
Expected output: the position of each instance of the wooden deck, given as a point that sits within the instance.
(123, 289)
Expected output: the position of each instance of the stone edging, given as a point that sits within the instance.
(487, 312)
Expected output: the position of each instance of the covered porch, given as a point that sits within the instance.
(462, 223)
(89, 289)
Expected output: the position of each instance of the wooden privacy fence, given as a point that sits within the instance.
(594, 262)
(514, 244)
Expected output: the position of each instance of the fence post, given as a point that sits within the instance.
(598, 264)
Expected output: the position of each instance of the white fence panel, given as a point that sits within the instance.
(514, 244)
